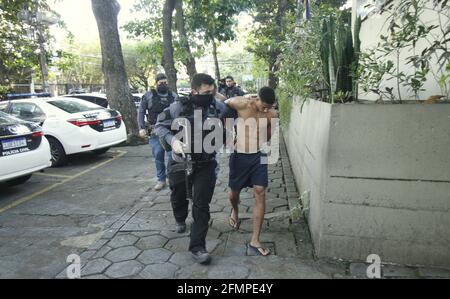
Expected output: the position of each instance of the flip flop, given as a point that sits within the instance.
(233, 223)
(258, 251)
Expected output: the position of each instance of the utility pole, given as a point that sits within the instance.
(42, 58)
(299, 12)
(37, 20)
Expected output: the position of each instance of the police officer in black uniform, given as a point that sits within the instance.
(152, 104)
(222, 86)
(192, 172)
(231, 90)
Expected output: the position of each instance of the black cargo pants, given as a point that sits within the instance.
(203, 182)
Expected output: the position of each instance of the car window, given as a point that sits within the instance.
(74, 106)
(3, 106)
(27, 111)
(102, 102)
(7, 119)
(86, 98)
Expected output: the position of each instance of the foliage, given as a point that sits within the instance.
(285, 104)
(405, 32)
(17, 52)
(307, 51)
(237, 64)
(141, 62)
(337, 56)
(206, 21)
(311, 47)
(18, 42)
(213, 19)
(4, 90)
(357, 53)
(150, 27)
(272, 22)
(302, 76)
(81, 64)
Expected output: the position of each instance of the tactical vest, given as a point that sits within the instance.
(188, 113)
(231, 92)
(158, 105)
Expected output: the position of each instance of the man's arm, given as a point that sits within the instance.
(144, 105)
(237, 103)
(164, 124)
(163, 127)
(220, 97)
(175, 96)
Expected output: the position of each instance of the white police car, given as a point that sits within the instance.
(23, 150)
(72, 125)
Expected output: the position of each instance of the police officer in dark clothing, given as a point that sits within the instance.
(152, 104)
(222, 86)
(231, 90)
(192, 169)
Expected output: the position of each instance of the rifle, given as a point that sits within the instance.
(188, 170)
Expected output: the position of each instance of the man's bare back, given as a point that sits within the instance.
(253, 128)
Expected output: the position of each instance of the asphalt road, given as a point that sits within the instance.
(64, 210)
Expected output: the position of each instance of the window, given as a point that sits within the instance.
(93, 99)
(74, 106)
(6, 119)
(27, 111)
(3, 106)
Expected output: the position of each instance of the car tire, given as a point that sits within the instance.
(18, 181)
(59, 157)
(100, 151)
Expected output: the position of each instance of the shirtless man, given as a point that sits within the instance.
(246, 170)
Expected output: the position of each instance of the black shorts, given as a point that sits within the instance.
(246, 170)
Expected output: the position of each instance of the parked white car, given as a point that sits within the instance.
(100, 98)
(72, 125)
(23, 150)
(95, 98)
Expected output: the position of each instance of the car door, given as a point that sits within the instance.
(28, 111)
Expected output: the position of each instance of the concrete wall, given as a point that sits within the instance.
(375, 26)
(378, 177)
(307, 142)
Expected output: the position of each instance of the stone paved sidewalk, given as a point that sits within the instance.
(142, 243)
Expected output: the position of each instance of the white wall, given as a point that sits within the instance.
(307, 144)
(378, 178)
(375, 25)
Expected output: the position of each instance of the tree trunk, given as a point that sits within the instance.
(3, 75)
(299, 12)
(43, 59)
(273, 79)
(168, 60)
(189, 62)
(216, 60)
(281, 14)
(113, 66)
(273, 60)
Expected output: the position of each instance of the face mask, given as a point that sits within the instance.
(203, 100)
(163, 88)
